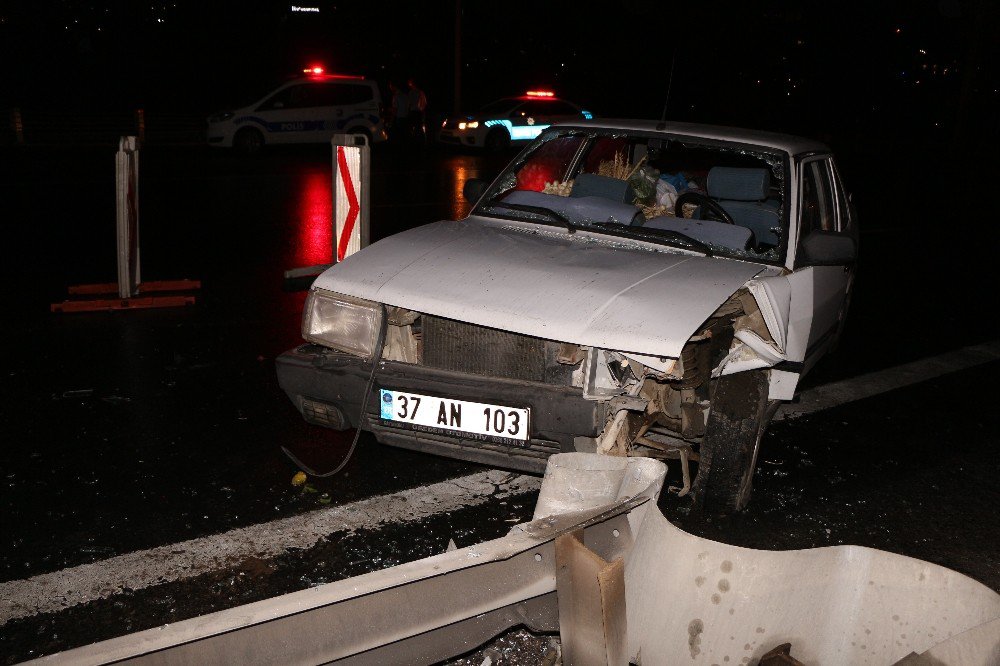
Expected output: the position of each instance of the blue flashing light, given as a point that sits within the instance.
(526, 132)
(519, 132)
(587, 114)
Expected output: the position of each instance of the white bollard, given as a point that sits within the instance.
(127, 213)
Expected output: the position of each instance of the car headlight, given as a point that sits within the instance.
(341, 322)
(219, 117)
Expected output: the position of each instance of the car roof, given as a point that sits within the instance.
(324, 78)
(529, 98)
(793, 145)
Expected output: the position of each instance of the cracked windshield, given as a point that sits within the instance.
(718, 200)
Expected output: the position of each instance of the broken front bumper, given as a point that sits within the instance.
(327, 388)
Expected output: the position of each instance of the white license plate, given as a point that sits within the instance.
(478, 420)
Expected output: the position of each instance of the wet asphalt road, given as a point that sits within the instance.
(129, 430)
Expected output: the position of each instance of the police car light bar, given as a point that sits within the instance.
(317, 70)
(540, 93)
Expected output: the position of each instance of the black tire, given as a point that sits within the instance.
(497, 140)
(739, 414)
(248, 141)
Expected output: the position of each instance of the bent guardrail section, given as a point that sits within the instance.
(604, 568)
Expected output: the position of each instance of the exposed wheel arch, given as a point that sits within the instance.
(738, 417)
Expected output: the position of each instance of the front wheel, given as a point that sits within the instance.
(497, 140)
(248, 141)
(739, 414)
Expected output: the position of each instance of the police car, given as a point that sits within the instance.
(307, 109)
(510, 120)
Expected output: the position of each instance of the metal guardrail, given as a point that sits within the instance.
(602, 566)
(35, 127)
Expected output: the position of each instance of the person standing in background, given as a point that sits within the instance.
(417, 104)
(399, 114)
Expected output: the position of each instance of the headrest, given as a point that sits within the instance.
(592, 185)
(739, 184)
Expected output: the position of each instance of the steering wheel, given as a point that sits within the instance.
(704, 202)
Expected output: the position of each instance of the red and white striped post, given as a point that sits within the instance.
(351, 199)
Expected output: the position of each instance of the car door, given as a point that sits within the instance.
(289, 116)
(561, 112)
(349, 106)
(824, 259)
(529, 119)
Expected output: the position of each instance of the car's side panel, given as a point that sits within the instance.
(300, 120)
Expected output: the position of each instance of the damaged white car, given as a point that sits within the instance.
(624, 287)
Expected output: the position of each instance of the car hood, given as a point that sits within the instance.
(583, 288)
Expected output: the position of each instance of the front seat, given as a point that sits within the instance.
(743, 193)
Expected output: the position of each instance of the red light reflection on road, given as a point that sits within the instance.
(315, 220)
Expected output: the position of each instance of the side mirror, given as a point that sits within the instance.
(473, 189)
(827, 249)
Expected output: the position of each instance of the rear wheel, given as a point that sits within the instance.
(739, 414)
(248, 141)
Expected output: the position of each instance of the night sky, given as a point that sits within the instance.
(844, 73)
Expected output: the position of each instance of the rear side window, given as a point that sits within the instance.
(501, 107)
(342, 94)
(536, 108)
(560, 108)
(283, 99)
(308, 95)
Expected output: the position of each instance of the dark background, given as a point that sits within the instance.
(898, 72)
(127, 430)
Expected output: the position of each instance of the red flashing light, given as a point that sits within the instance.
(540, 93)
(317, 70)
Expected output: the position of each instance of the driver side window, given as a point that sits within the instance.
(280, 100)
(818, 208)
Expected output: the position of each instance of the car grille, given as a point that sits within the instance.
(454, 345)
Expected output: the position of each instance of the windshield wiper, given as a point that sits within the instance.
(642, 233)
(538, 210)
